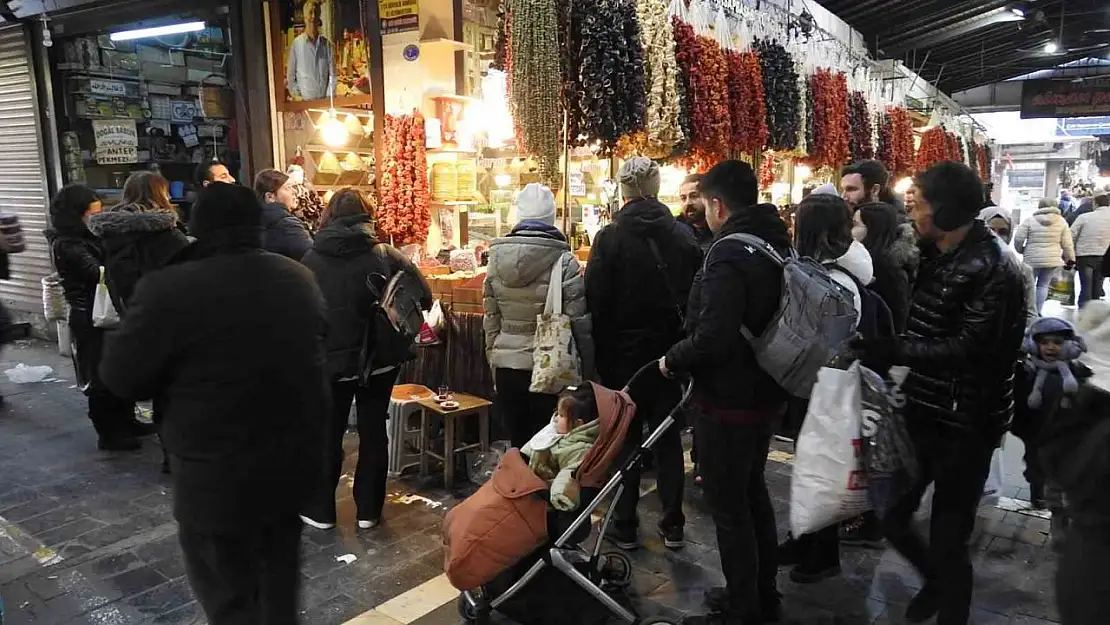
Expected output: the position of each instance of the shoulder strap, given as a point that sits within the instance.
(554, 303)
(756, 243)
(662, 266)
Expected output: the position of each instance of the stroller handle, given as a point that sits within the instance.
(685, 382)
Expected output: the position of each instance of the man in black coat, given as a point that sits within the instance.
(635, 323)
(232, 340)
(734, 401)
(962, 341)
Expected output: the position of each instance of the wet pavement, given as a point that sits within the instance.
(87, 538)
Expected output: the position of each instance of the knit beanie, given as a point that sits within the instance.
(222, 206)
(536, 203)
(1072, 348)
(639, 178)
(825, 189)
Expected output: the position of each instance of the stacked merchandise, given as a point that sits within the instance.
(403, 216)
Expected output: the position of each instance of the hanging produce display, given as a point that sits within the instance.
(859, 121)
(708, 97)
(780, 86)
(830, 146)
(535, 82)
(403, 215)
(662, 123)
(746, 102)
(900, 151)
(934, 148)
(685, 54)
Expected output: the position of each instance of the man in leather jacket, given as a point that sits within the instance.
(965, 327)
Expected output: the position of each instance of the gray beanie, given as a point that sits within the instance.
(639, 178)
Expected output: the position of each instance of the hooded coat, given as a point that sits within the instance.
(895, 269)
(1044, 239)
(1091, 232)
(1027, 277)
(345, 253)
(515, 292)
(283, 233)
(637, 306)
(557, 464)
(136, 242)
(856, 261)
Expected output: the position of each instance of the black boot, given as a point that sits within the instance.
(1036, 496)
(111, 424)
(819, 557)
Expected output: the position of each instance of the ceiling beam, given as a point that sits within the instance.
(936, 36)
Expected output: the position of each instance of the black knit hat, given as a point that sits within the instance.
(222, 206)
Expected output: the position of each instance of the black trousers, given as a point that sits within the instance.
(249, 576)
(655, 397)
(732, 459)
(522, 411)
(372, 410)
(957, 463)
(111, 416)
(1090, 278)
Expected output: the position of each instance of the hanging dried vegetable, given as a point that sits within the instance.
(747, 104)
(953, 147)
(859, 120)
(662, 130)
(803, 115)
(686, 54)
(501, 43)
(830, 146)
(710, 123)
(811, 115)
(535, 81)
(933, 149)
(884, 148)
(608, 85)
(901, 142)
(780, 84)
(403, 216)
(767, 168)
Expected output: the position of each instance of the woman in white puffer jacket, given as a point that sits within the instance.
(1045, 242)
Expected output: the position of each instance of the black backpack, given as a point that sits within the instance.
(395, 321)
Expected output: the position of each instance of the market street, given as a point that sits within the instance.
(87, 538)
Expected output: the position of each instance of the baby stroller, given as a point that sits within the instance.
(526, 522)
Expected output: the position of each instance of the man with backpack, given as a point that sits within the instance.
(634, 325)
(962, 341)
(734, 399)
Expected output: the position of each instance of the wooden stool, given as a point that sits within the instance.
(468, 405)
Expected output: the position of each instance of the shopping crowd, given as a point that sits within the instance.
(252, 337)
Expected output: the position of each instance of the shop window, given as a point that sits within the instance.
(149, 96)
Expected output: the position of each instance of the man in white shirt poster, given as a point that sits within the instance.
(310, 71)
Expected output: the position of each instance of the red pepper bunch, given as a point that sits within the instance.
(767, 168)
(686, 56)
(859, 120)
(901, 157)
(981, 160)
(748, 107)
(831, 146)
(954, 151)
(934, 148)
(710, 119)
(403, 216)
(884, 151)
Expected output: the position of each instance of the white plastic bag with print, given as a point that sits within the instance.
(104, 313)
(829, 484)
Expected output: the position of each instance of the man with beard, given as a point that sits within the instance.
(962, 341)
(634, 325)
(734, 400)
(693, 211)
(864, 182)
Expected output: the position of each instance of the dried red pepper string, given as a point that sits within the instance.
(403, 216)
(747, 103)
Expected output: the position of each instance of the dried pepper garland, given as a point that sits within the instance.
(747, 104)
(934, 148)
(686, 54)
(662, 123)
(884, 147)
(403, 216)
(780, 84)
(535, 81)
(708, 94)
(859, 120)
(901, 142)
(830, 146)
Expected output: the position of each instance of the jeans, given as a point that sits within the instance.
(731, 459)
(957, 463)
(1090, 278)
(246, 577)
(372, 407)
(1043, 277)
(655, 398)
(522, 411)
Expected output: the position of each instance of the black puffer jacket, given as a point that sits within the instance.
(345, 253)
(737, 287)
(635, 316)
(77, 257)
(136, 242)
(895, 269)
(964, 333)
(283, 232)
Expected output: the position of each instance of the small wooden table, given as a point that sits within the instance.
(468, 405)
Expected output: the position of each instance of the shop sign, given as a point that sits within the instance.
(1050, 98)
(577, 184)
(107, 87)
(116, 141)
(1082, 126)
(399, 16)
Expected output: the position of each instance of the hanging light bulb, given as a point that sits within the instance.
(1051, 47)
(332, 131)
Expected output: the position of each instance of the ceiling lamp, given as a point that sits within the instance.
(1051, 47)
(1018, 11)
(157, 31)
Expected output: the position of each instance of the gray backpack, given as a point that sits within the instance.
(816, 315)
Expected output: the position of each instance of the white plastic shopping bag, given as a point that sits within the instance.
(104, 313)
(829, 484)
(992, 489)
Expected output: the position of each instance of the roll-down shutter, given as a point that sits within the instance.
(23, 189)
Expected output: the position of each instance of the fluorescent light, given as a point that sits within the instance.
(1018, 12)
(169, 29)
(1051, 47)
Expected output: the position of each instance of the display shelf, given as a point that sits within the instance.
(450, 151)
(449, 44)
(315, 147)
(337, 187)
(454, 203)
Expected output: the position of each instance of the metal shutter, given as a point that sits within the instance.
(23, 189)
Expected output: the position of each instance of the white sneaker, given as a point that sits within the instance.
(318, 525)
(368, 525)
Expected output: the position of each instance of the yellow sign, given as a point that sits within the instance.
(399, 16)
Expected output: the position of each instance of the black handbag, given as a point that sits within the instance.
(389, 338)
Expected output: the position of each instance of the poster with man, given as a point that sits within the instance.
(324, 52)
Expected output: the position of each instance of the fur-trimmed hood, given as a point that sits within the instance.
(903, 251)
(129, 219)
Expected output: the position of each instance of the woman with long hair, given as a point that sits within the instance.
(282, 231)
(347, 253)
(894, 255)
(140, 234)
(78, 256)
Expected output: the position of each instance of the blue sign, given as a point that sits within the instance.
(1082, 126)
(411, 52)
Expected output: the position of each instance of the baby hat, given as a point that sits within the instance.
(536, 203)
(1072, 348)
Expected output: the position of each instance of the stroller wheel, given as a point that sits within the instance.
(616, 569)
(470, 613)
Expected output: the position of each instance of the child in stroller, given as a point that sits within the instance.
(509, 539)
(556, 451)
